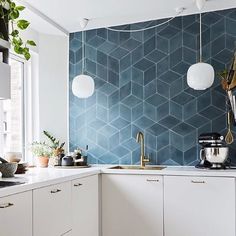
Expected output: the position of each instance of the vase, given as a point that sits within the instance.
(43, 161)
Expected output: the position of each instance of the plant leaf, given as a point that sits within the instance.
(31, 43)
(20, 8)
(23, 24)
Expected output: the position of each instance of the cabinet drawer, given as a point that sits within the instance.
(52, 210)
(16, 215)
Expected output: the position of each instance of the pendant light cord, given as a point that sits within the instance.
(83, 52)
(200, 39)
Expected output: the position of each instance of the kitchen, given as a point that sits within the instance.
(124, 118)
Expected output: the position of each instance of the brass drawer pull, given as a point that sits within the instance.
(77, 185)
(152, 180)
(197, 182)
(55, 191)
(6, 205)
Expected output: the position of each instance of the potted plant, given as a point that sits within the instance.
(10, 19)
(42, 151)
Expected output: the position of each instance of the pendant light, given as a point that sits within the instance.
(200, 76)
(83, 85)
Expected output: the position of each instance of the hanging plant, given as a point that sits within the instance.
(10, 13)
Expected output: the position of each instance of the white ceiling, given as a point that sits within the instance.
(103, 13)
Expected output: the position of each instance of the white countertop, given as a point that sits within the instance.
(41, 177)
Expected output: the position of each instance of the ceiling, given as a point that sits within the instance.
(103, 13)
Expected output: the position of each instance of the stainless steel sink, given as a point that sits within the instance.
(138, 168)
(4, 184)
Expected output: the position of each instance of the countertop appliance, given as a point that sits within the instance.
(214, 152)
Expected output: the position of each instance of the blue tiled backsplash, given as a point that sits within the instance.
(141, 86)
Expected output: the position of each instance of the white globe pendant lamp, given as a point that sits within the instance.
(200, 76)
(83, 85)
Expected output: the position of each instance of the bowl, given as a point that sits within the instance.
(13, 156)
(8, 169)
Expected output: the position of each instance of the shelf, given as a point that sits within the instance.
(4, 44)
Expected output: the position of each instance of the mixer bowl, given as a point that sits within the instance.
(216, 155)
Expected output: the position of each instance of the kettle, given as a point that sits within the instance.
(67, 161)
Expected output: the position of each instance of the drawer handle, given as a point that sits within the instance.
(55, 191)
(197, 182)
(6, 205)
(77, 185)
(152, 180)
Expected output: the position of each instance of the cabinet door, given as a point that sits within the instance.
(52, 210)
(85, 206)
(132, 205)
(16, 215)
(197, 206)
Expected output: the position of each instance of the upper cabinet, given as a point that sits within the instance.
(199, 206)
(132, 205)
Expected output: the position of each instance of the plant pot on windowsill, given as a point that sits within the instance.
(42, 161)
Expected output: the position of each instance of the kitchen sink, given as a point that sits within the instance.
(4, 184)
(138, 168)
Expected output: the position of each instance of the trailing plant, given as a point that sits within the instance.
(41, 149)
(10, 13)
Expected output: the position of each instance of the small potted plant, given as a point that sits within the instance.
(42, 151)
(57, 149)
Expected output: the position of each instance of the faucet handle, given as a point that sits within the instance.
(146, 159)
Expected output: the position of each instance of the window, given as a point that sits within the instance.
(12, 132)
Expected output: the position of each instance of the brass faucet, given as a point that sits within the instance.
(143, 159)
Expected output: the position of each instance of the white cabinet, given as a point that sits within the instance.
(85, 210)
(16, 215)
(199, 206)
(132, 205)
(52, 210)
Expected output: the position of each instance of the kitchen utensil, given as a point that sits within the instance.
(231, 72)
(22, 168)
(216, 155)
(234, 108)
(3, 160)
(8, 169)
(229, 138)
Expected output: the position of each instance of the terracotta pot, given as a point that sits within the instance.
(43, 161)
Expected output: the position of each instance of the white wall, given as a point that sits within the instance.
(52, 84)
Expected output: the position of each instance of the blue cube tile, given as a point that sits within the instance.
(150, 89)
(176, 87)
(190, 156)
(163, 155)
(162, 111)
(144, 122)
(150, 32)
(113, 112)
(149, 45)
(137, 76)
(168, 32)
(125, 112)
(108, 158)
(150, 141)
(108, 131)
(176, 110)
(119, 53)
(149, 75)
(102, 113)
(137, 111)
(107, 89)
(137, 90)
(211, 112)
(131, 101)
(218, 100)
(169, 77)
(102, 141)
(120, 151)
(219, 123)
(131, 144)
(101, 58)
(149, 111)
(163, 140)
(114, 141)
(96, 41)
(107, 47)
(97, 124)
(91, 67)
(102, 99)
(125, 91)
(113, 64)
(176, 156)
(136, 157)
(181, 68)
(162, 44)
(224, 56)
(156, 100)
(102, 33)
(169, 122)
(176, 42)
(137, 54)
(218, 45)
(230, 42)
(190, 41)
(163, 89)
(143, 64)
(176, 57)
(91, 53)
(189, 55)
(126, 160)
(204, 101)
(120, 123)
(156, 56)
(190, 109)
(125, 62)
(102, 72)
(130, 44)
(113, 99)
(157, 129)
(113, 78)
(125, 77)
(74, 45)
(197, 121)
(125, 134)
(183, 129)
(113, 37)
(162, 66)
(230, 27)
(99, 82)
(217, 29)
(135, 130)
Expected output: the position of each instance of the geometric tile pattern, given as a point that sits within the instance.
(140, 81)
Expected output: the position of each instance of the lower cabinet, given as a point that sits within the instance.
(132, 205)
(52, 210)
(199, 206)
(85, 206)
(16, 215)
